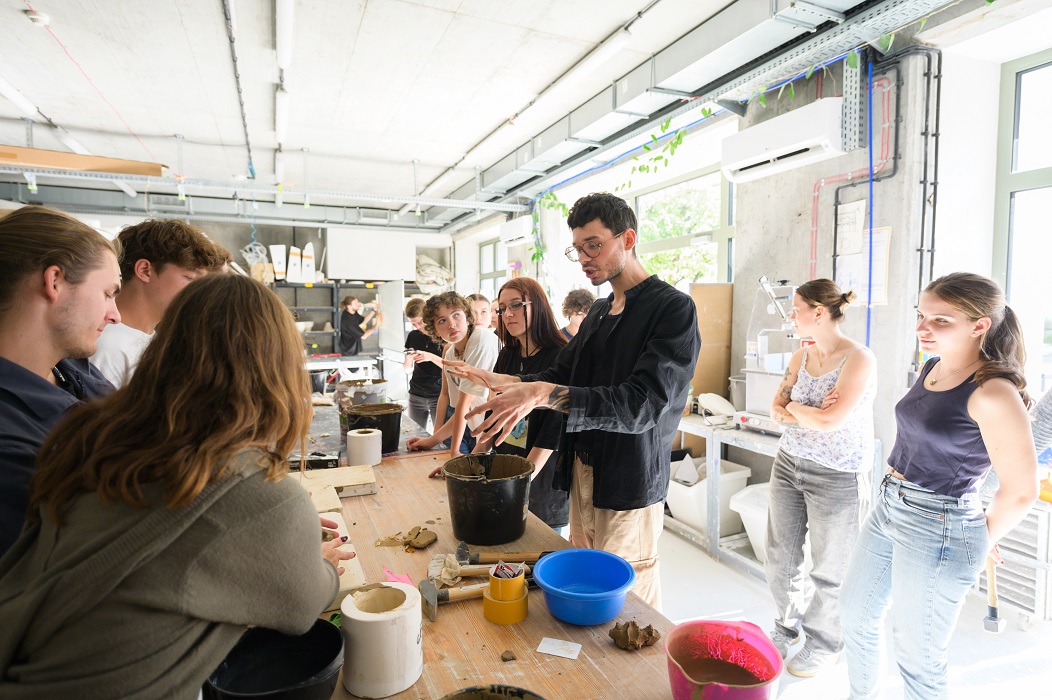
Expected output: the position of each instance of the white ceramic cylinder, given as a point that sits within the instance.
(364, 446)
(382, 640)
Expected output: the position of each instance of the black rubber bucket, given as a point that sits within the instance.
(276, 666)
(385, 417)
(488, 497)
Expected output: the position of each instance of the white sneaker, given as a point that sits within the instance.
(782, 640)
(810, 661)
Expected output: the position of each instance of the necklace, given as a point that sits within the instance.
(821, 362)
(931, 382)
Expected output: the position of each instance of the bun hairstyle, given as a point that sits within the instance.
(825, 292)
(1001, 347)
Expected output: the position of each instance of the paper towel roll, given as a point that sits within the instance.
(364, 446)
(382, 639)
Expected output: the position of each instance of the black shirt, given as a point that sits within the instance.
(544, 429)
(650, 356)
(351, 333)
(30, 406)
(595, 372)
(427, 376)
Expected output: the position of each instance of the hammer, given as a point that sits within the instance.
(992, 623)
(432, 596)
(466, 557)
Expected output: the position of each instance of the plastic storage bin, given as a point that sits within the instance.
(751, 504)
(690, 506)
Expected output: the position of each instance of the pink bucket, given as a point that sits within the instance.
(718, 660)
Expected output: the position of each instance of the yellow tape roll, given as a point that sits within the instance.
(504, 612)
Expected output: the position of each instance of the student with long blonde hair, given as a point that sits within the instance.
(928, 536)
(160, 524)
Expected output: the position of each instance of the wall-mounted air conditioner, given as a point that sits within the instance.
(517, 231)
(803, 136)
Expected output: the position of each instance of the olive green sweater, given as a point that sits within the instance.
(125, 602)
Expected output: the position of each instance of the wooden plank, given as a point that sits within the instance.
(358, 480)
(462, 648)
(326, 500)
(39, 158)
(353, 576)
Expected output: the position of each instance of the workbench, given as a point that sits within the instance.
(462, 648)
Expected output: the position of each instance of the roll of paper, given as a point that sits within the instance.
(364, 446)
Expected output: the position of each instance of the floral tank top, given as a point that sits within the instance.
(849, 448)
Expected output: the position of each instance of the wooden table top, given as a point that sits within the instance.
(462, 648)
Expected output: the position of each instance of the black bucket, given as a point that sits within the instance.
(385, 417)
(317, 380)
(492, 692)
(276, 666)
(488, 497)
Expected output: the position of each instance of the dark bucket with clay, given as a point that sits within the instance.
(385, 417)
(488, 497)
(276, 666)
(492, 692)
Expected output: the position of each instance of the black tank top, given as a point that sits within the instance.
(938, 446)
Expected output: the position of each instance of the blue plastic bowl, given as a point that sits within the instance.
(584, 586)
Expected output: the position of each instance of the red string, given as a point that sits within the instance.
(95, 87)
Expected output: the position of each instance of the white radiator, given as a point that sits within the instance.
(1024, 583)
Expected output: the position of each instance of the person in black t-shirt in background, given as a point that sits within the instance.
(532, 341)
(426, 384)
(353, 326)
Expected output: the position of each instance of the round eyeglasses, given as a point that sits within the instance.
(515, 307)
(590, 249)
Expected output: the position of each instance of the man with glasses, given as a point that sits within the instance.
(622, 381)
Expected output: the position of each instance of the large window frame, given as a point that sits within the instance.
(493, 254)
(1009, 183)
(722, 235)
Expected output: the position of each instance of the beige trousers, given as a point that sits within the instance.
(630, 534)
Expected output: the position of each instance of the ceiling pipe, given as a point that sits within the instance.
(283, 32)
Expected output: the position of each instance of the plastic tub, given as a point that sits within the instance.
(276, 666)
(584, 586)
(751, 504)
(690, 504)
(738, 391)
(489, 495)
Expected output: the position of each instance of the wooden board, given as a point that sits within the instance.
(462, 648)
(326, 500)
(348, 481)
(353, 576)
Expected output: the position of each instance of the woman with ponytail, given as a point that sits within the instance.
(820, 478)
(928, 537)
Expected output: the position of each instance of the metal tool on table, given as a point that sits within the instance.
(770, 343)
(467, 557)
(446, 568)
(992, 623)
(432, 596)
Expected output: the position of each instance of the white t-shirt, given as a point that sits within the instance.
(118, 353)
(481, 351)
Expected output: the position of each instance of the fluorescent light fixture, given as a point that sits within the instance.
(70, 142)
(278, 199)
(283, 29)
(125, 188)
(438, 182)
(17, 98)
(279, 167)
(281, 114)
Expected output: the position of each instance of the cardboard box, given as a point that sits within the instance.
(713, 301)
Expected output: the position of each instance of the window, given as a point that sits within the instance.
(493, 267)
(1024, 206)
(685, 231)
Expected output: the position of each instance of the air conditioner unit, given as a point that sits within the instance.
(803, 136)
(517, 231)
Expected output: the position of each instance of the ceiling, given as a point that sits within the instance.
(390, 98)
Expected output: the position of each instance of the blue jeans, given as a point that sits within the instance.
(924, 551)
(831, 505)
(467, 443)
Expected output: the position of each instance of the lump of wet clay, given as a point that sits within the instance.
(507, 656)
(394, 540)
(630, 637)
(418, 538)
(327, 536)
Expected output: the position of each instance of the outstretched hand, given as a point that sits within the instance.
(490, 380)
(509, 404)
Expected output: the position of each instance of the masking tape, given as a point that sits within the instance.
(507, 589)
(504, 612)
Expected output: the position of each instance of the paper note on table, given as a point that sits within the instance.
(559, 647)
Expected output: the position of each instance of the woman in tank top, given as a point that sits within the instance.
(927, 539)
(819, 481)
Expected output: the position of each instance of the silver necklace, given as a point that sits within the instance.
(821, 362)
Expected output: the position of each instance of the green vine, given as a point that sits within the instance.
(548, 200)
(653, 160)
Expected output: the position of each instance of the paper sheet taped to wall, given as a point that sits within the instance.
(852, 271)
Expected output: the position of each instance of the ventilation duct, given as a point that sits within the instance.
(803, 136)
